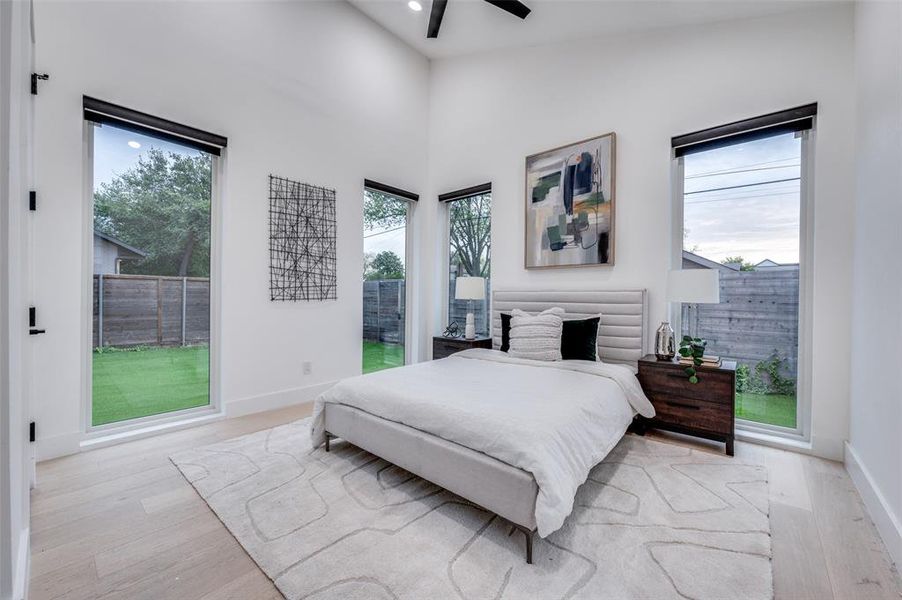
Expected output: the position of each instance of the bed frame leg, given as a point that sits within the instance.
(328, 437)
(529, 536)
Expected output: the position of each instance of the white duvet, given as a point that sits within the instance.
(555, 420)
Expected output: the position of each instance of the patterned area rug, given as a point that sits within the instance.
(654, 520)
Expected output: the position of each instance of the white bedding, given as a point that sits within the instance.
(555, 420)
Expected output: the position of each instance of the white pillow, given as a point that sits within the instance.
(536, 337)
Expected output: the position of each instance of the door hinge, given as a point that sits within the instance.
(32, 200)
(34, 81)
(32, 321)
(31, 432)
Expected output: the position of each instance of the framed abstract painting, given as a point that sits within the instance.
(570, 205)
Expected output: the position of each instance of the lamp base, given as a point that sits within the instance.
(470, 332)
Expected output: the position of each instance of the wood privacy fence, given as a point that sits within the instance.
(384, 309)
(758, 316)
(146, 310)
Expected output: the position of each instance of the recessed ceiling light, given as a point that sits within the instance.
(134, 144)
(414, 5)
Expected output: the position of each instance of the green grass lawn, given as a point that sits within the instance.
(378, 356)
(137, 383)
(775, 409)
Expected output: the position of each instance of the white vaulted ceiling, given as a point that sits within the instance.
(472, 26)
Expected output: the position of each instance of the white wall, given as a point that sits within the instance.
(488, 112)
(317, 92)
(874, 454)
(16, 466)
(313, 91)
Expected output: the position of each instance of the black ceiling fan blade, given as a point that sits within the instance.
(435, 17)
(514, 7)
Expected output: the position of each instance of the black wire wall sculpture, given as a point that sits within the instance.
(301, 241)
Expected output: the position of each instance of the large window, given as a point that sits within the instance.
(742, 207)
(386, 213)
(151, 278)
(470, 248)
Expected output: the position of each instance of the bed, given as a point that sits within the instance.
(514, 436)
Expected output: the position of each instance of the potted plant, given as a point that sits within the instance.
(693, 348)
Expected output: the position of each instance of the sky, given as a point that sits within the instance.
(113, 155)
(756, 221)
(379, 239)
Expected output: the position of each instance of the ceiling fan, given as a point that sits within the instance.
(514, 7)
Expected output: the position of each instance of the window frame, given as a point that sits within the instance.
(409, 256)
(746, 429)
(173, 418)
(445, 200)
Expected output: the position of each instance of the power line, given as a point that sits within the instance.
(729, 172)
(383, 232)
(753, 164)
(744, 185)
(732, 195)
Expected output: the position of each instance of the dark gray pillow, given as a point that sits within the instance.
(579, 338)
(505, 332)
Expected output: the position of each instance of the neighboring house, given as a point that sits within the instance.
(694, 261)
(110, 252)
(766, 264)
(775, 266)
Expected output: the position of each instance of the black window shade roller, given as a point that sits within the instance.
(784, 121)
(476, 190)
(390, 190)
(106, 113)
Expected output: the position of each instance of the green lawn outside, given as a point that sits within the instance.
(136, 383)
(378, 356)
(775, 409)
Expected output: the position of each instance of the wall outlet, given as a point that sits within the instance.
(307, 367)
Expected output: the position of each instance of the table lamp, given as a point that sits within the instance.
(694, 286)
(470, 288)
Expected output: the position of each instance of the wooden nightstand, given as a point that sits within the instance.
(705, 409)
(445, 346)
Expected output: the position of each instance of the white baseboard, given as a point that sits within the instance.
(888, 524)
(23, 566)
(275, 400)
(102, 440)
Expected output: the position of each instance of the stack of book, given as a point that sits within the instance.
(707, 361)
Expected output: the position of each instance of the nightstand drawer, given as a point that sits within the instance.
(694, 414)
(442, 349)
(712, 386)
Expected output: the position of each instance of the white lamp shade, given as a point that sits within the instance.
(469, 288)
(695, 286)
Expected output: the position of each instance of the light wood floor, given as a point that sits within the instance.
(121, 522)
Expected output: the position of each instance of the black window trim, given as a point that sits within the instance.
(390, 190)
(795, 119)
(107, 113)
(476, 190)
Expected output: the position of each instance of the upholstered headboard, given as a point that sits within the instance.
(623, 327)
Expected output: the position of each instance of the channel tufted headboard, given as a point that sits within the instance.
(623, 326)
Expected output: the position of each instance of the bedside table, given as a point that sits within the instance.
(705, 409)
(444, 346)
